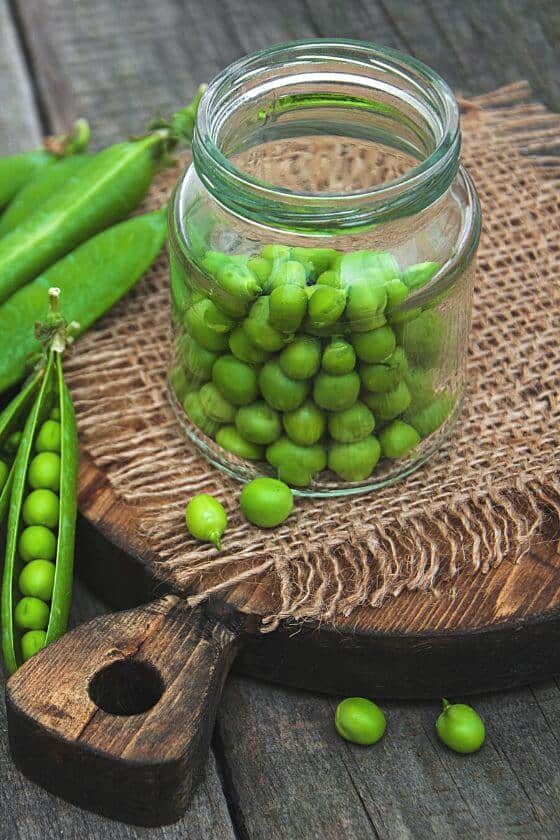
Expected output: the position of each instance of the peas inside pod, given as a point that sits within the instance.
(308, 359)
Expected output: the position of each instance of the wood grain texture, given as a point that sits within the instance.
(487, 632)
(118, 63)
(117, 716)
(407, 786)
(20, 126)
(273, 782)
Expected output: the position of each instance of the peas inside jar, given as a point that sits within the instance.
(322, 262)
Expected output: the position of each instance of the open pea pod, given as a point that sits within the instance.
(53, 393)
(12, 420)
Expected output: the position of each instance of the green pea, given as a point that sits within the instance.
(44, 472)
(302, 358)
(306, 424)
(365, 309)
(360, 721)
(335, 393)
(214, 405)
(276, 253)
(12, 442)
(261, 268)
(287, 308)
(37, 579)
(258, 423)
(31, 614)
(37, 542)
(243, 348)
(386, 375)
(431, 417)
(419, 274)
(197, 360)
(236, 380)
(206, 519)
(398, 439)
(259, 330)
(197, 415)
(180, 382)
(4, 473)
(421, 386)
(54, 415)
(296, 464)
(266, 502)
(32, 642)
(376, 345)
(48, 438)
(338, 357)
(330, 278)
(229, 438)
(351, 425)
(396, 292)
(238, 286)
(326, 306)
(368, 268)
(214, 260)
(460, 728)
(208, 325)
(388, 404)
(287, 273)
(423, 339)
(320, 258)
(41, 508)
(354, 461)
(281, 392)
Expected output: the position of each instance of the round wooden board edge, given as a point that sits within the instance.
(514, 650)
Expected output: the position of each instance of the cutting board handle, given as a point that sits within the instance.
(117, 715)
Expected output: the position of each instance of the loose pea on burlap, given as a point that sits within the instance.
(492, 490)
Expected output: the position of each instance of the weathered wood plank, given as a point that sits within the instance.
(407, 786)
(20, 126)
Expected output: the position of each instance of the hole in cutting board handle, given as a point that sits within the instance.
(126, 688)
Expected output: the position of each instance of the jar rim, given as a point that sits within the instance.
(330, 212)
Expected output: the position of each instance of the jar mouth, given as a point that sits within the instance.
(330, 87)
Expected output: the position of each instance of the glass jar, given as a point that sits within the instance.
(322, 250)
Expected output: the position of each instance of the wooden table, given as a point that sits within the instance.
(277, 769)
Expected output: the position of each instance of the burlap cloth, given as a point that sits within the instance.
(491, 492)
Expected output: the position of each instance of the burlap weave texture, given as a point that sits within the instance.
(493, 488)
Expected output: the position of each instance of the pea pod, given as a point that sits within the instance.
(12, 419)
(17, 170)
(52, 394)
(91, 279)
(39, 189)
(102, 193)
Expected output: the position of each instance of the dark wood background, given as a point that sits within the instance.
(277, 769)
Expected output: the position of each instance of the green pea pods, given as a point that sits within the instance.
(91, 279)
(12, 420)
(17, 170)
(53, 391)
(39, 190)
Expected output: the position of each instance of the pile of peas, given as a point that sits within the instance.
(37, 543)
(303, 357)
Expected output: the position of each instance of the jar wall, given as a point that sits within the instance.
(329, 354)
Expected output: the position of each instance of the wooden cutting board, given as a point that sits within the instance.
(117, 716)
